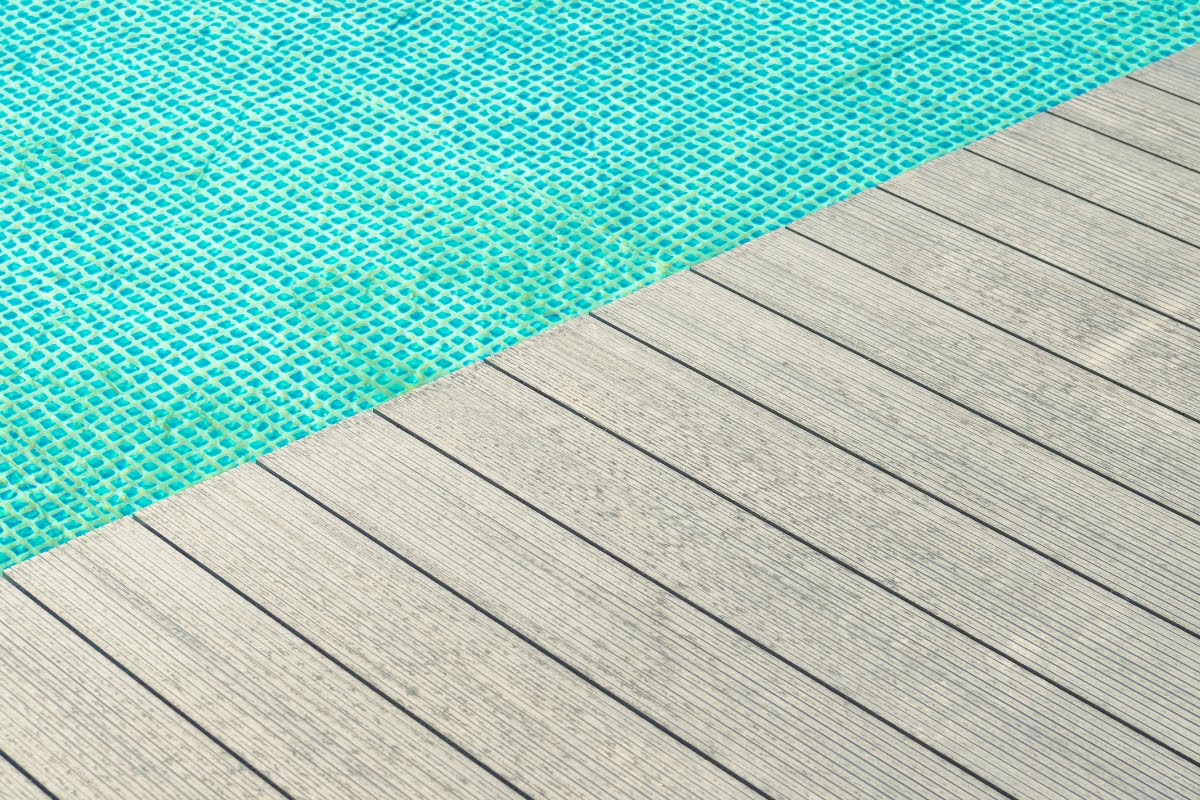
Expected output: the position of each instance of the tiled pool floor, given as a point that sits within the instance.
(230, 224)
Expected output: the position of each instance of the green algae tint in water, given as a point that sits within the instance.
(227, 224)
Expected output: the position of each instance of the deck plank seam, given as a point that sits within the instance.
(467, 754)
(999, 327)
(917, 487)
(852, 569)
(150, 689)
(27, 775)
(1090, 281)
(1161, 89)
(965, 407)
(1087, 200)
(529, 641)
(673, 592)
(1118, 140)
(726, 489)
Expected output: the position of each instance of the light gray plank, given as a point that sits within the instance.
(1142, 116)
(1089, 241)
(982, 710)
(772, 725)
(1073, 515)
(86, 730)
(1135, 347)
(15, 786)
(288, 710)
(1179, 73)
(1063, 407)
(540, 726)
(1146, 188)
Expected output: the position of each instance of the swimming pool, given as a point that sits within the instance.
(229, 224)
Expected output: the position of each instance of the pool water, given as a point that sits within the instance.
(228, 224)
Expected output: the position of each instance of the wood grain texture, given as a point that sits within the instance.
(288, 710)
(1119, 177)
(86, 730)
(820, 493)
(1118, 339)
(903, 502)
(542, 727)
(1061, 406)
(15, 786)
(1140, 115)
(1093, 243)
(751, 712)
(1179, 73)
(1074, 516)
(1064, 510)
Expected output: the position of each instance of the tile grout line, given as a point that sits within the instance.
(795, 421)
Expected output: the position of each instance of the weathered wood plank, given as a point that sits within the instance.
(772, 725)
(1140, 115)
(732, 589)
(532, 720)
(1089, 241)
(86, 730)
(981, 709)
(1146, 188)
(1083, 416)
(15, 786)
(285, 708)
(1141, 550)
(1118, 339)
(1179, 73)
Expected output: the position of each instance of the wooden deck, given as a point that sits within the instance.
(900, 501)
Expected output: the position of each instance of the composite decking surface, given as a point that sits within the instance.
(900, 501)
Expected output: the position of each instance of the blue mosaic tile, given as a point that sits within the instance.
(229, 224)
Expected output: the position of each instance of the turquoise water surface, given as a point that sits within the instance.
(224, 225)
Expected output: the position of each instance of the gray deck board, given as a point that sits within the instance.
(502, 700)
(15, 786)
(898, 536)
(901, 501)
(1142, 116)
(1083, 416)
(1093, 243)
(86, 730)
(304, 723)
(1130, 545)
(772, 725)
(1117, 176)
(1179, 73)
(1134, 346)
